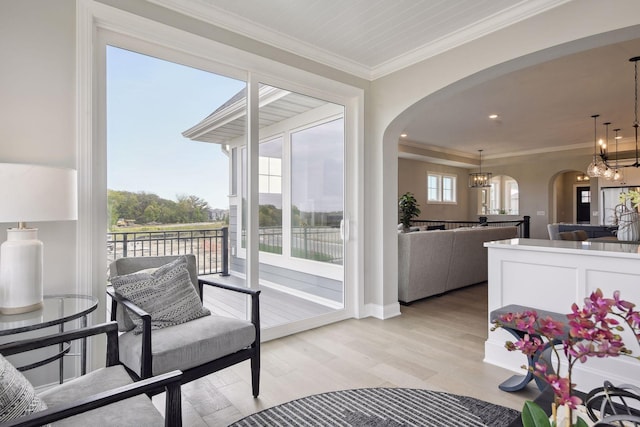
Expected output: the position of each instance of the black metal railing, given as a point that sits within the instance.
(211, 246)
(316, 243)
(524, 224)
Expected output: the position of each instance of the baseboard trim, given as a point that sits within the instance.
(382, 311)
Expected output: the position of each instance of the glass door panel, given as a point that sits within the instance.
(170, 130)
(270, 197)
(317, 164)
(301, 192)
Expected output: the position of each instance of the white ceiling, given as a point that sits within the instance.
(368, 38)
(544, 107)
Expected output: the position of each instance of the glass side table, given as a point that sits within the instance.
(56, 310)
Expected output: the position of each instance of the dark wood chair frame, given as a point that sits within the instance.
(252, 352)
(169, 382)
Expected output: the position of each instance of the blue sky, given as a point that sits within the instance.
(150, 102)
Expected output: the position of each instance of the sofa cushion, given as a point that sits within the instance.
(188, 345)
(434, 262)
(575, 235)
(135, 411)
(166, 294)
(17, 395)
(469, 256)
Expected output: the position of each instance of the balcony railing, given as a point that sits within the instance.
(522, 224)
(211, 247)
(315, 243)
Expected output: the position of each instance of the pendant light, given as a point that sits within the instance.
(608, 172)
(597, 167)
(480, 179)
(618, 176)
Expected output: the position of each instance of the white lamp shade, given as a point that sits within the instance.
(37, 193)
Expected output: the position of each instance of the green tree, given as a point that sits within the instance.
(151, 213)
(145, 207)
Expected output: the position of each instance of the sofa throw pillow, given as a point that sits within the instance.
(123, 316)
(167, 294)
(17, 395)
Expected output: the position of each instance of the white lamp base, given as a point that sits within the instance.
(21, 271)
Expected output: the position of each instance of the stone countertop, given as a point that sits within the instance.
(594, 248)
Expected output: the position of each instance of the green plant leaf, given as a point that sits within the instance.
(581, 423)
(534, 416)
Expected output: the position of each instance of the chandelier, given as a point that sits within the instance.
(600, 167)
(480, 179)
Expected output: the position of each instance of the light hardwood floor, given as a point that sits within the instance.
(436, 344)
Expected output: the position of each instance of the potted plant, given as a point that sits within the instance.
(408, 208)
(594, 331)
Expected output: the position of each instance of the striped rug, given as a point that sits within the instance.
(383, 407)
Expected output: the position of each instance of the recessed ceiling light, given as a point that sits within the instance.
(403, 135)
(493, 116)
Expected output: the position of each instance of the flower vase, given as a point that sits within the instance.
(629, 227)
(562, 416)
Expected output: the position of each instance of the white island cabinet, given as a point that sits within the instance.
(552, 275)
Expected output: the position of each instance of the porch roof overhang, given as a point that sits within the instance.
(229, 120)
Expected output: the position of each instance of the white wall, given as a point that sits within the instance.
(412, 177)
(37, 125)
(37, 87)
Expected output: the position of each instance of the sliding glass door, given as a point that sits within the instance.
(300, 207)
(299, 143)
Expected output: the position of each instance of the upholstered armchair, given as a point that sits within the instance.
(155, 342)
(106, 396)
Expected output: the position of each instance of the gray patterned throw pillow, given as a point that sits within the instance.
(17, 395)
(167, 295)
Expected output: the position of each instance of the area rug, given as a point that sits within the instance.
(377, 407)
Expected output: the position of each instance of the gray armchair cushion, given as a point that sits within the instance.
(166, 294)
(135, 411)
(189, 344)
(17, 395)
(124, 266)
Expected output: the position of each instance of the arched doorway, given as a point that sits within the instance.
(572, 198)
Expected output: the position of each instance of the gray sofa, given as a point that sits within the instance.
(434, 262)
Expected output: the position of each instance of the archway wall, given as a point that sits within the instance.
(393, 100)
(563, 196)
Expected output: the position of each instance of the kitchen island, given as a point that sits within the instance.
(552, 275)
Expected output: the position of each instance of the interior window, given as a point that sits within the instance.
(441, 188)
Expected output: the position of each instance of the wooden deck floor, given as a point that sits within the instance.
(276, 307)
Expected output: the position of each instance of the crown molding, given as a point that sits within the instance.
(441, 153)
(231, 22)
(221, 18)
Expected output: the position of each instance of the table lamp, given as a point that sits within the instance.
(29, 193)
